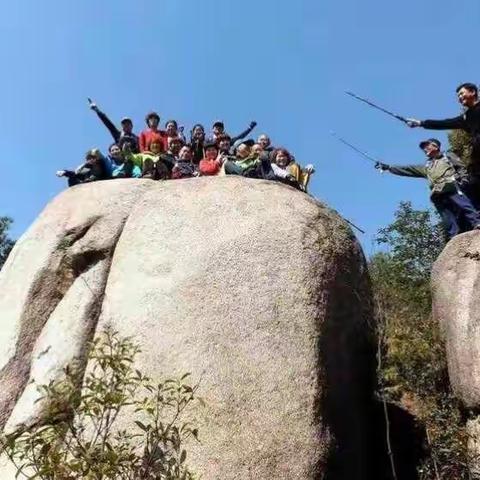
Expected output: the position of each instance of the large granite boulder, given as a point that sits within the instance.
(254, 287)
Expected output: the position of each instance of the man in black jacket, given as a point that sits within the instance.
(123, 136)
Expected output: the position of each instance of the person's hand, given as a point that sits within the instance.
(60, 173)
(414, 123)
(181, 128)
(92, 104)
(309, 168)
(253, 124)
(126, 148)
(381, 166)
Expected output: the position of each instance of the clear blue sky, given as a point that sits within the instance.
(284, 64)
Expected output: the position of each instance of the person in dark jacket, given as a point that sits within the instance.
(446, 195)
(218, 129)
(264, 141)
(184, 166)
(197, 140)
(120, 137)
(469, 121)
(91, 170)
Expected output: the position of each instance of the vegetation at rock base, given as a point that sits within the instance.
(6, 243)
(82, 437)
(414, 371)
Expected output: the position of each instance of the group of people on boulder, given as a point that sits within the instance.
(454, 185)
(166, 154)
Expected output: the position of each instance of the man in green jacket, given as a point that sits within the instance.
(450, 202)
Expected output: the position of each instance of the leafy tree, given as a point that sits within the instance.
(461, 145)
(414, 370)
(6, 243)
(82, 436)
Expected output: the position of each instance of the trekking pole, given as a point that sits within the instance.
(354, 148)
(374, 105)
(354, 226)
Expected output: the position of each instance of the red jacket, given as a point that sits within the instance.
(148, 136)
(209, 167)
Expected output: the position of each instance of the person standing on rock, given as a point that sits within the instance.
(152, 134)
(446, 195)
(121, 137)
(218, 129)
(469, 121)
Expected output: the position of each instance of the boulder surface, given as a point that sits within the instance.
(253, 287)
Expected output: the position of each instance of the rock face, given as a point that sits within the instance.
(456, 306)
(251, 285)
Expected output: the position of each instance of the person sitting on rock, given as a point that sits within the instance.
(151, 162)
(120, 136)
(264, 141)
(447, 197)
(224, 144)
(212, 162)
(184, 166)
(93, 169)
(218, 129)
(172, 130)
(152, 133)
(288, 171)
(197, 140)
(171, 155)
(248, 163)
(121, 167)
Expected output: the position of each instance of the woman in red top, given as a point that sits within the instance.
(212, 162)
(152, 134)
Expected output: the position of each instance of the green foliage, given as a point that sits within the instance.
(461, 145)
(414, 370)
(6, 243)
(119, 426)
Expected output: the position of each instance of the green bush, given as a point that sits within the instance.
(82, 436)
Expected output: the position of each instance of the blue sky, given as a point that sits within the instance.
(283, 64)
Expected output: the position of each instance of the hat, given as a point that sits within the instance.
(249, 142)
(126, 119)
(424, 143)
(218, 123)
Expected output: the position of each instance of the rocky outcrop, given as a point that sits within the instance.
(456, 306)
(250, 285)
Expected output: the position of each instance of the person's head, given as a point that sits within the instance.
(175, 144)
(185, 153)
(156, 147)
(115, 151)
(127, 124)
(243, 148)
(152, 119)
(224, 142)
(467, 94)
(282, 157)
(264, 141)
(218, 128)
(198, 132)
(431, 147)
(257, 149)
(93, 156)
(211, 151)
(171, 127)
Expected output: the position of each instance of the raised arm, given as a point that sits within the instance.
(455, 123)
(245, 132)
(114, 131)
(417, 171)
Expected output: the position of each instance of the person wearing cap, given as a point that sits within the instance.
(212, 163)
(446, 195)
(91, 170)
(469, 121)
(152, 133)
(120, 137)
(218, 128)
